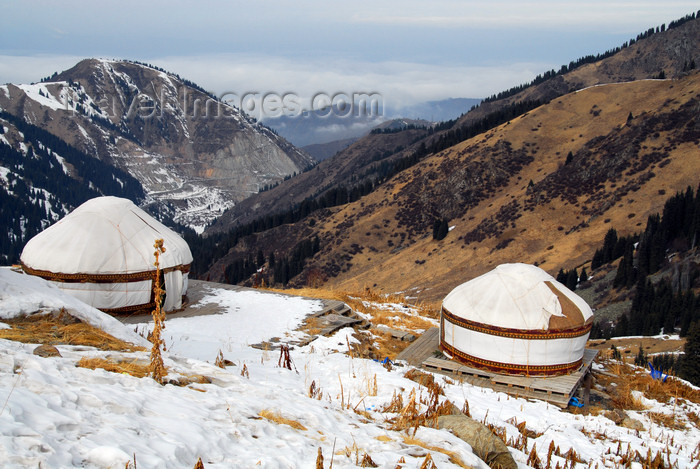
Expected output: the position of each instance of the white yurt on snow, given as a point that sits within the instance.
(515, 319)
(103, 254)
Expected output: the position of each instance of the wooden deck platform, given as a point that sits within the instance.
(422, 348)
(557, 390)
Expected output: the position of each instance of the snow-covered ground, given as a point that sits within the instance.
(55, 415)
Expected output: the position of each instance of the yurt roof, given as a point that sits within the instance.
(105, 235)
(518, 296)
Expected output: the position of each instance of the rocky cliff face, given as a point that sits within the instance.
(194, 155)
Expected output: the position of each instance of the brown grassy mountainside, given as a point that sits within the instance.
(622, 170)
(670, 51)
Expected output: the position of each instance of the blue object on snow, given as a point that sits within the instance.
(385, 361)
(657, 374)
(575, 402)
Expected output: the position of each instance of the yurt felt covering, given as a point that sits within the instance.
(515, 319)
(103, 254)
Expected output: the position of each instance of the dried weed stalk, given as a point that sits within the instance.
(157, 366)
(219, 361)
(319, 459)
(395, 405)
(428, 462)
(367, 461)
(315, 392)
(285, 360)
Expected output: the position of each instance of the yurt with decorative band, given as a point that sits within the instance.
(515, 319)
(102, 253)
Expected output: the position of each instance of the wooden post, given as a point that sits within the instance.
(587, 381)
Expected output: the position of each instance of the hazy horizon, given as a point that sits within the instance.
(409, 52)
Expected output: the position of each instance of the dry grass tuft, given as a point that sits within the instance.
(623, 398)
(60, 328)
(428, 462)
(533, 459)
(367, 461)
(665, 420)
(395, 405)
(410, 415)
(277, 418)
(424, 379)
(630, 379)
(134, 368)
(454, 457)
(693, 417)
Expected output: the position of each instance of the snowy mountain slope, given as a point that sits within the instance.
(58, 415)
(184, 146)
(42, 178)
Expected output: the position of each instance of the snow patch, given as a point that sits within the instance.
(22, 295)
(41, 94)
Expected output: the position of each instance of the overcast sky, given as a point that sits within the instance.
(408, 51)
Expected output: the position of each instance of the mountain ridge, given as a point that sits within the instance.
(191, 152)
(485, 115)
(482, 187)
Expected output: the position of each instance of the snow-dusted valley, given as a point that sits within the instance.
(254, 412)
(193, 154)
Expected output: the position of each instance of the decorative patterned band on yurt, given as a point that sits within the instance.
(111, 293)
(513, 351)
(515, 319)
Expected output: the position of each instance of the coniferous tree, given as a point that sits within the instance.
(622, 328)
(561, 277)
(625, 276)
(440, 229)
(572, 279)
(641, 358)
(597, 259)
(609, 244)
(690, 312)
(584, 276)
(569, 158)
(636, 322)
(690, 365)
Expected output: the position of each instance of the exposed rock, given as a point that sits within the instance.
(616, 415)
(485, 444)
(47, 351)
(632, 424)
